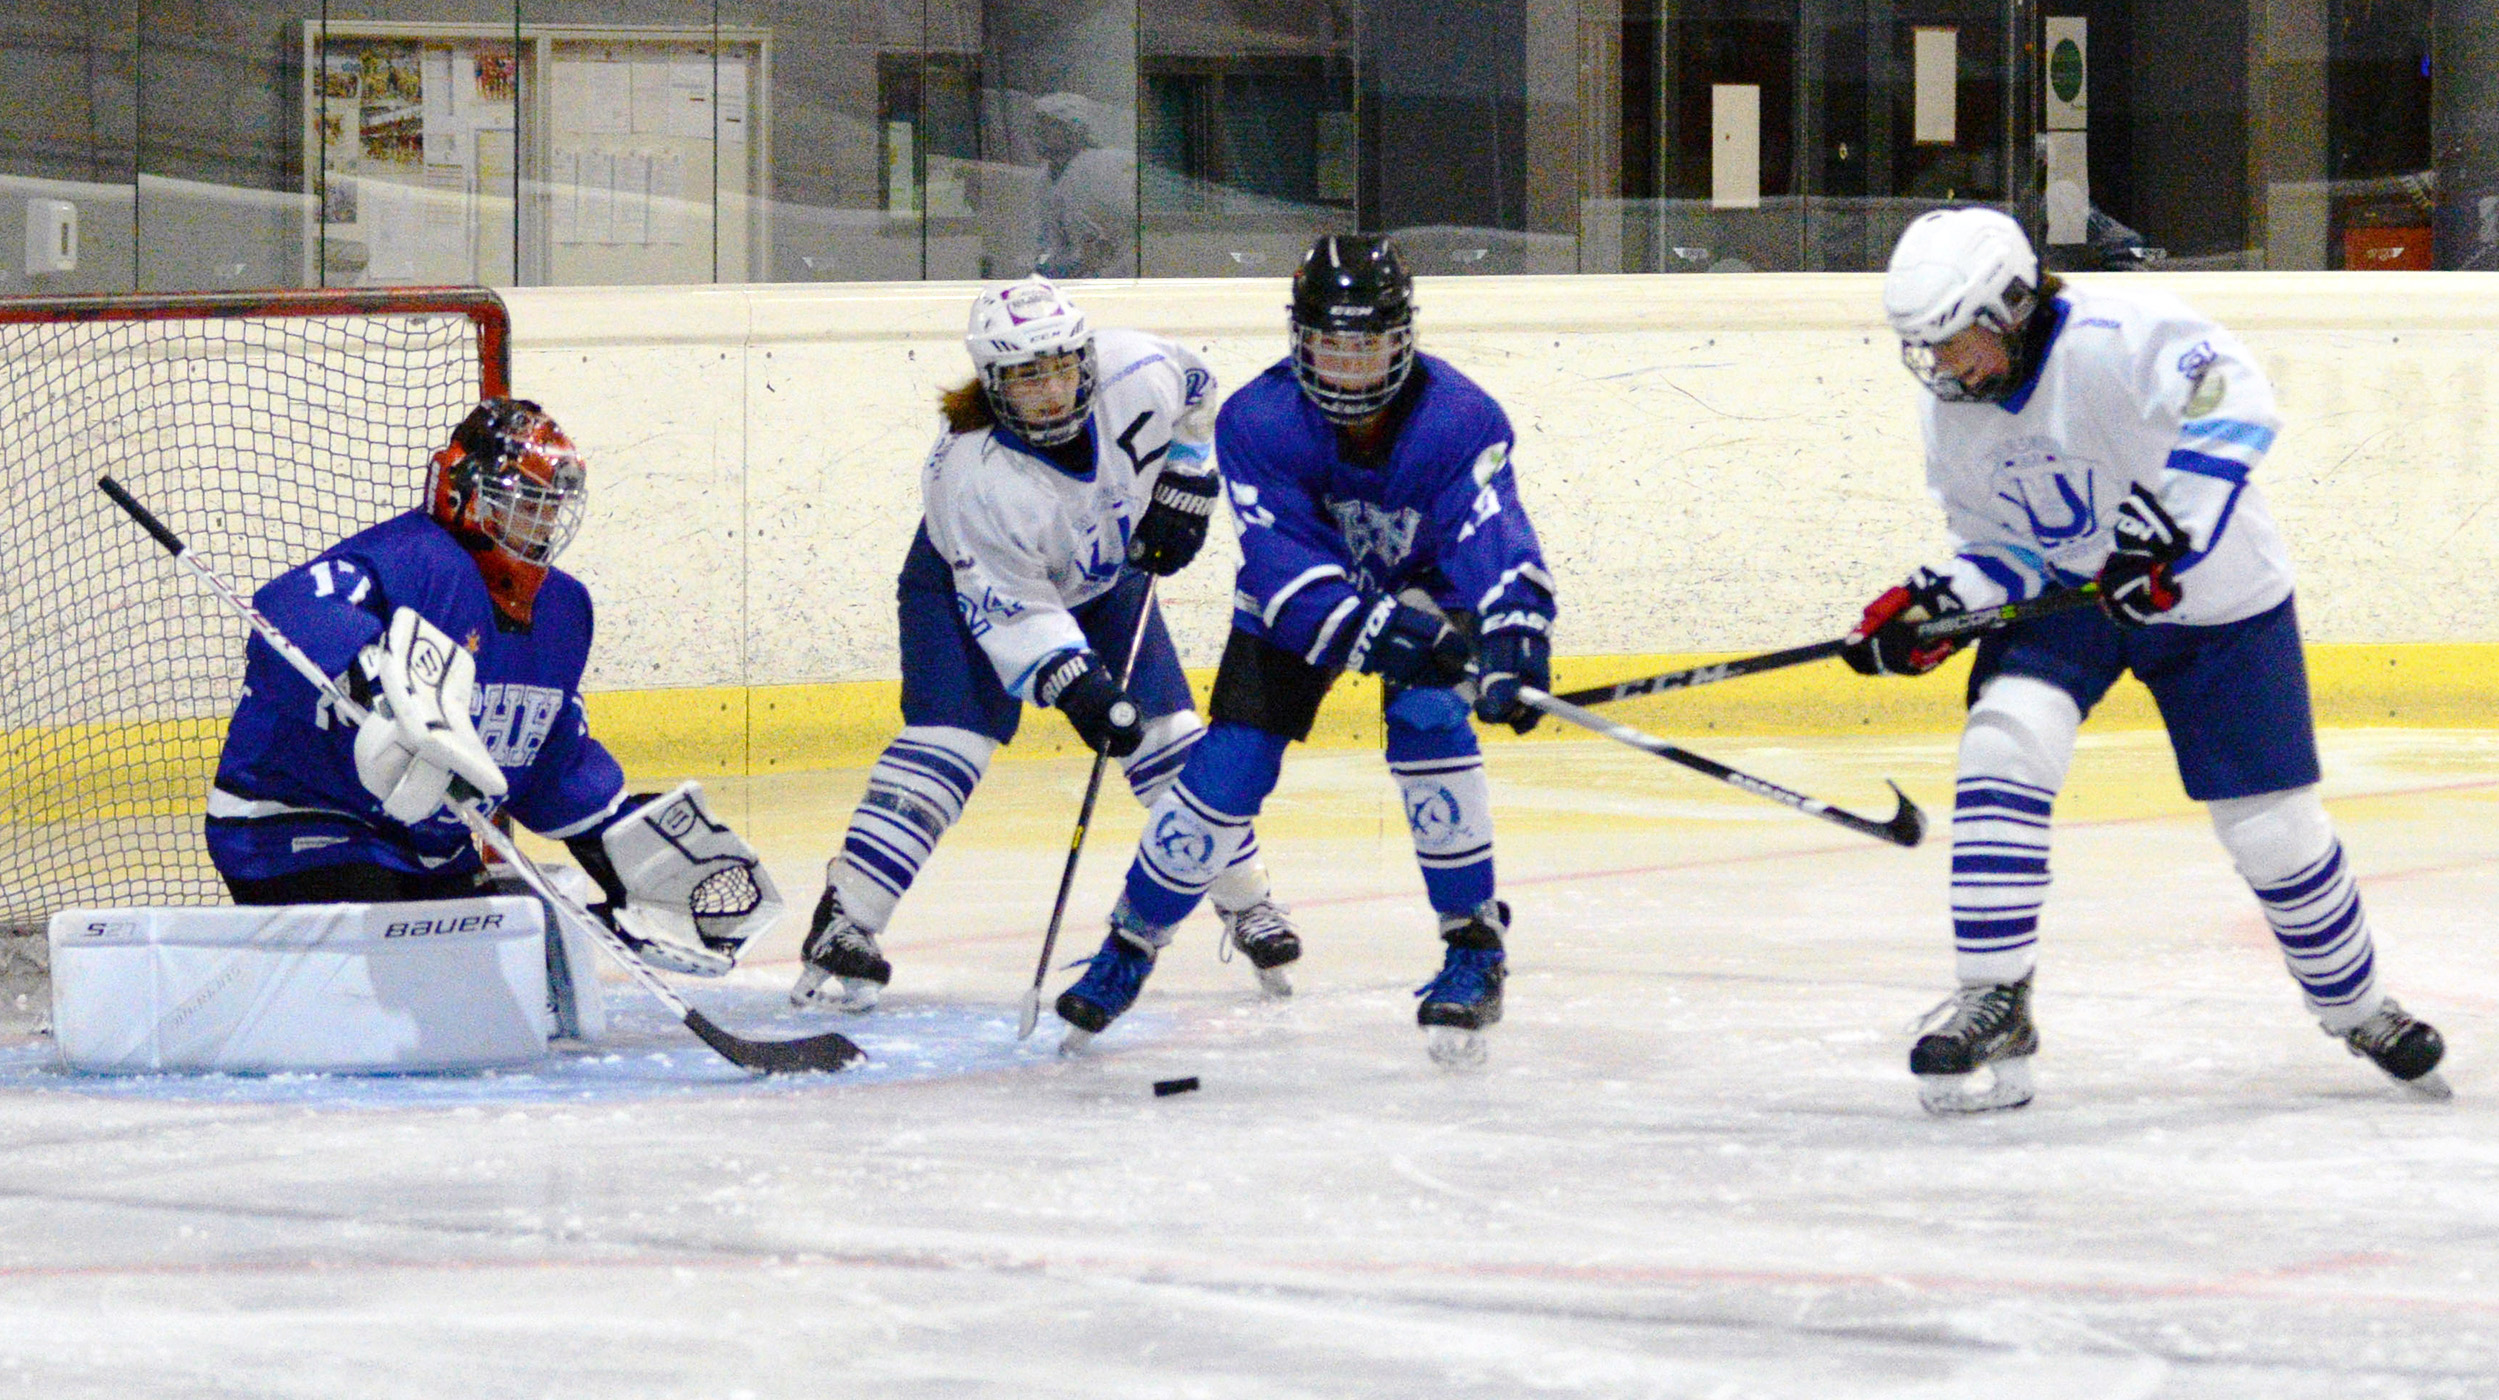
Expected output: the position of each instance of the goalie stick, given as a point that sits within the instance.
(1950, 625)
(818, 1052)
(1906, 826)
(1030, 1016)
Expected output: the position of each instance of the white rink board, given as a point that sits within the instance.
(1715, 463)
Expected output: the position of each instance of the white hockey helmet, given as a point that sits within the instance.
(1954, 269)
(1034, 350)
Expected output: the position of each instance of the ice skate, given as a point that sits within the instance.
(838, 948)
(2407, 1048)
(1112, 979)
(1263, 935)
(1975, 1054)
(1465, 999)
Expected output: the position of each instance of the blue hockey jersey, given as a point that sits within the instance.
(1318, 531)
(286, 795)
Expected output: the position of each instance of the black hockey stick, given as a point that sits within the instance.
(1906, 826)
(1031, 1014)
(817, 1052)
(1950, 625)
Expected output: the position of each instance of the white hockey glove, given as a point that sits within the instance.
(418, 737)
(695, 892)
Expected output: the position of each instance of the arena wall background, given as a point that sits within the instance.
(1715, 464)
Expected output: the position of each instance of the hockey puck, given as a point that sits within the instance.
(1165, 1088)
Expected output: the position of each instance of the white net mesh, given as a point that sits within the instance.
(260, 439)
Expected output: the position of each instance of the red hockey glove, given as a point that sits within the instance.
(1885, 642)
(2138, 582)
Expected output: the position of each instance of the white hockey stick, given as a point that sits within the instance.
(1030, 1016)
(818, 1052)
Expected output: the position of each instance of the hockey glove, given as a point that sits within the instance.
(1512, 659)
(417, 738)
(1406, 646)
(1081, 687)
(2138, 582)
(1885, 641)
(1173, 528)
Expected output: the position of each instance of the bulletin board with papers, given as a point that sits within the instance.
(544, 155)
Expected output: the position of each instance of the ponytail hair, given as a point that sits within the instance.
(965, 407)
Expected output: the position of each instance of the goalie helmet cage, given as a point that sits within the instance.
(264, 427)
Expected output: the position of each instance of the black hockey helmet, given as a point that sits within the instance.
(1353, 325)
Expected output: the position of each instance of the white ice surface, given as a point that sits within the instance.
(1694, 1168)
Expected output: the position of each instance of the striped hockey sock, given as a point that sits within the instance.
(1999, 876)
(1440, 775)
(2317, 918)
(916, 790)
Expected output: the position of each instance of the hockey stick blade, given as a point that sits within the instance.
(1905, 827)
(1950, 625)
(759, 1056)
(816, 1053)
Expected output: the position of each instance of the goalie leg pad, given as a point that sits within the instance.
(303, 988)
(689, 880)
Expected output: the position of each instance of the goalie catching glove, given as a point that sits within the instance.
(683, 890)
(1885, 642)
(417, 737)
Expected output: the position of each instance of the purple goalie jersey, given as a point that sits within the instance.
(287, 797)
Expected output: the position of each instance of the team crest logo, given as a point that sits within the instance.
(1185, 847)
(1435, 818)
(1370, 531)
(2057, 495)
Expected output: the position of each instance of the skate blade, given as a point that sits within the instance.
(810, 979)
(2001, 1085)
(2431, 1086)
(1456, 1047)
(1273, 982)
(1077, 1042)
(859, 996)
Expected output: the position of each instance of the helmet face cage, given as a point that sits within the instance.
(1353, 326)
(1028, 380)
(529, 519)
(2006, 318)
(1351, 375)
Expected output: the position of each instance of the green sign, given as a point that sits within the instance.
(2065, 70)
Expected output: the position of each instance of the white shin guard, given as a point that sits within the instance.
(2015, 750)
(915, 792)
(2283, 844)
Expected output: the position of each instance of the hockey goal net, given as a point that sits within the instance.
(262, 427)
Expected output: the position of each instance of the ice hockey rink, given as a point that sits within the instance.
(1695, 1165)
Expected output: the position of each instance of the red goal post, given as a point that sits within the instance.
(262, 425)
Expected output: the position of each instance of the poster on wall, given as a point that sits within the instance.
(2069, 73)
(432, 159)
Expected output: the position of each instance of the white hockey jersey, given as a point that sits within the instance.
(1026, 541)
(2136, 388)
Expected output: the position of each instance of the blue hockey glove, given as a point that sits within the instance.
(1173, 528)
(1406, 646)
(2137, 584)
(1512, 659)
(1885, 641)
(1082, 688)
